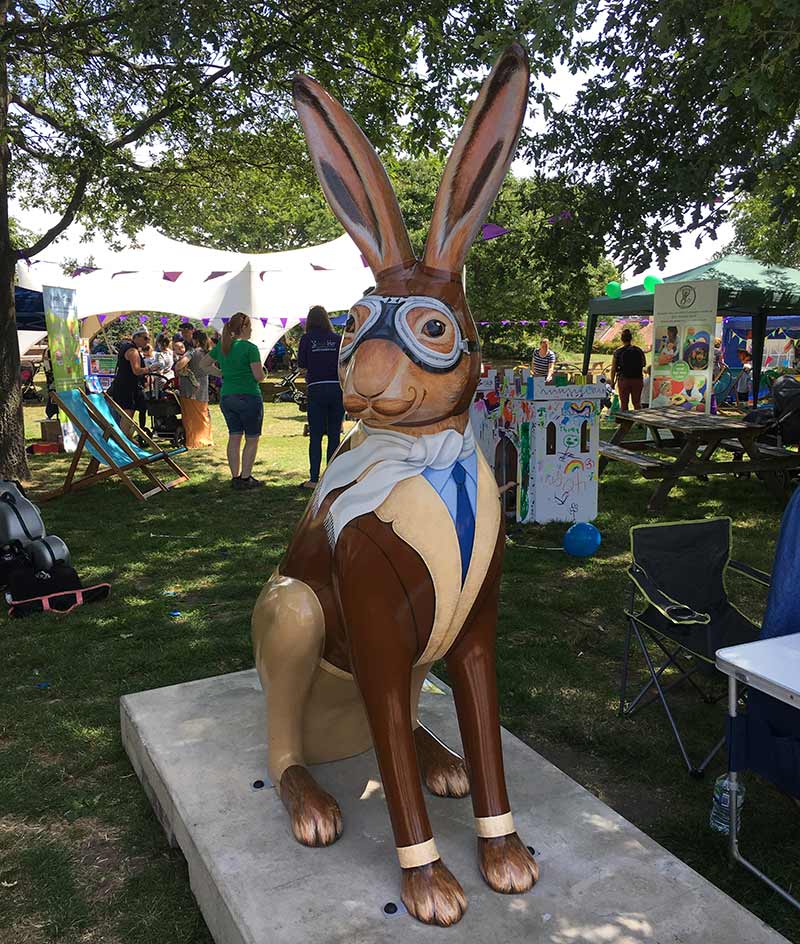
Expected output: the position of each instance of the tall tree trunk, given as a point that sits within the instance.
(13, 463)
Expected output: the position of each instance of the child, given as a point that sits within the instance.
(647, 386)
(179, 351)
(744, 385)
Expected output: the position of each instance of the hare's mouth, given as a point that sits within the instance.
(391, 407)
(386, 408)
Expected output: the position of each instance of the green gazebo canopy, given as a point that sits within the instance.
(746, 287)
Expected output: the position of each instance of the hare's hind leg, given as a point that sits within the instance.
(288, 638)
(444, 772)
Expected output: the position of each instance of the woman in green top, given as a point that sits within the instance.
(242, 406)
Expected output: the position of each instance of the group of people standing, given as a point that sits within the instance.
(237, 360)
(144, 368)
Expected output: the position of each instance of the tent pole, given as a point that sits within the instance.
(759, 331)
(591, 327)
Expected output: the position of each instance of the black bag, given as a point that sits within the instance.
(57, 592)
(24, 581)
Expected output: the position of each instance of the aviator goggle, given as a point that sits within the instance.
(389, 319)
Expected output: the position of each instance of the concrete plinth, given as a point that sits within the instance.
(198, 749)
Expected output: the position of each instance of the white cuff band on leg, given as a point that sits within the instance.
(490, 827)
(422, 853)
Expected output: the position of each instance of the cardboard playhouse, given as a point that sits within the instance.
(546, 439)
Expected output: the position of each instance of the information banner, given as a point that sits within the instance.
(682, 366)
(63, 338)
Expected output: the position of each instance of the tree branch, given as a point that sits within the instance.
(35, 112)
(64, 222)
(139, 129)
(12, 29)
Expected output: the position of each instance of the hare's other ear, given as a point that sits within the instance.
(352, 177)
(478, 162)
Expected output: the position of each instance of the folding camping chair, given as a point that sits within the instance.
(679, 568)
(102, 437)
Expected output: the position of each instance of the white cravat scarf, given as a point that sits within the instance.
(387, 458)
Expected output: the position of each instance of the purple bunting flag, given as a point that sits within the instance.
(206, 322)
(505, 321)
(216, 275)
(123, 272)
(102, 318)
(163, 319)
(225, 320)
(363, 259)
(492, 231)
(542, 323)
(83, 270)
(172, 276)
(142, 319)
(283, 322)
(317, 268)
(265, 321)
(123, 317)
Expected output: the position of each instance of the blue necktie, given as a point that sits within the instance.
(465, 519)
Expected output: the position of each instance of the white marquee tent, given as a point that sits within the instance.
(208, 285)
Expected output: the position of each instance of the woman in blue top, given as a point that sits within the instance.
(241, 402)
(319, 357)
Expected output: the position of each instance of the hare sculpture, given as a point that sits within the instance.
(396, 561)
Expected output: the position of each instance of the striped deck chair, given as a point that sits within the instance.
(111, 452)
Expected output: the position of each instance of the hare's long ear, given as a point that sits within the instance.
(352, 177)
(478, 162)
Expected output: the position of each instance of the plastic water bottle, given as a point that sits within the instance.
(720, 805)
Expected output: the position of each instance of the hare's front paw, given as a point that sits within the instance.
(433, 895)
(315, 815)
(444, 772)
(506, 864)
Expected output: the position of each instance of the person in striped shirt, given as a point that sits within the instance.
(543, 363)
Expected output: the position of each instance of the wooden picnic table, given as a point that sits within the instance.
(688, 452)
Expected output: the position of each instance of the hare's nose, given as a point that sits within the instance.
(374, 367)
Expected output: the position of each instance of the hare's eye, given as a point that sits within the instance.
(433, 328)
(350, 325)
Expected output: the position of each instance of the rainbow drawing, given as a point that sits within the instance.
(584, 408)
(574, 465)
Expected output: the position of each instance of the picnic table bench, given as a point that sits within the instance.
(689, 451)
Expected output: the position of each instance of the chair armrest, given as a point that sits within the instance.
(675, 611)
(753, 573)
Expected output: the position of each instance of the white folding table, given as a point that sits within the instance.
(771, 666)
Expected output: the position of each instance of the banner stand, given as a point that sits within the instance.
(63, 338)
(682, 361)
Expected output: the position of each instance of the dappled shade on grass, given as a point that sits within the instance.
(64, 777)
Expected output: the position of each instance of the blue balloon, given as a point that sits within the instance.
(582, 540)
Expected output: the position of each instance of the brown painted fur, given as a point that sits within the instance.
(368, 606)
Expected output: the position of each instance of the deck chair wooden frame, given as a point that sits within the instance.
(93, 473)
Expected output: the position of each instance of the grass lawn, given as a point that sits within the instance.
(82, 857)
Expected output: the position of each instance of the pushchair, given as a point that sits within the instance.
(163, 411)
(27, 381)
(288, 392)
(781, 422)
